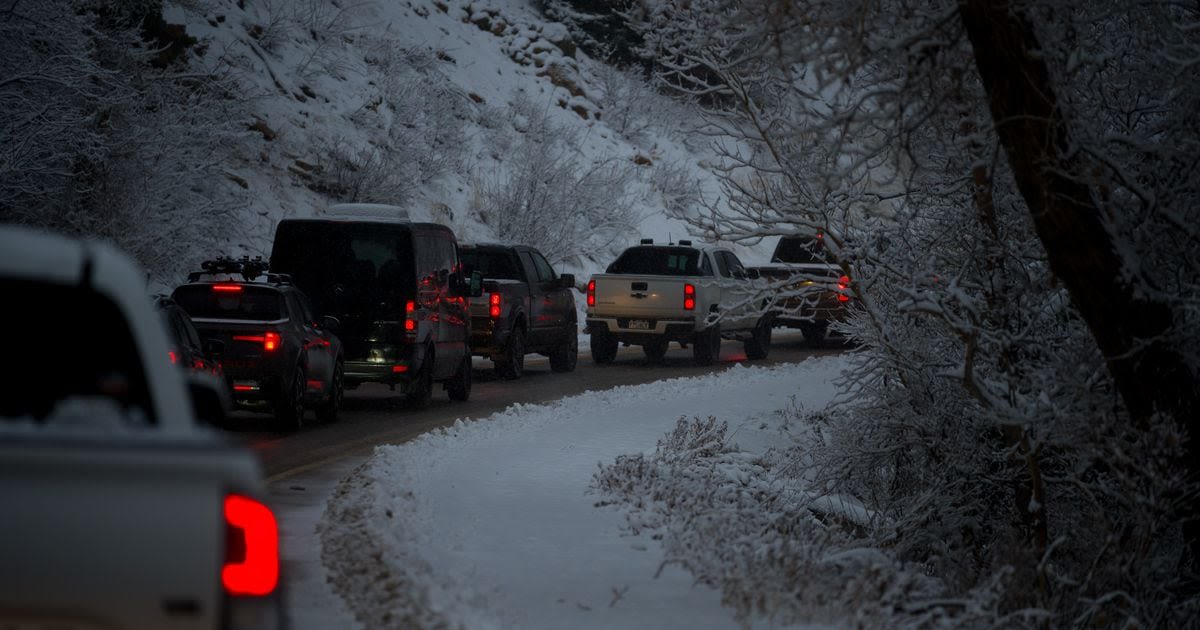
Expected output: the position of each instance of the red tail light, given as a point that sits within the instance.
(252, 548)
(689, 297)
(270, 340)
(494, 305)
(591, 293)
(227, 288)
(172, 356)
(843, 284)
(410, 319)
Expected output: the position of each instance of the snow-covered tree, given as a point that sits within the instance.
(112, 131)
(1012, 187)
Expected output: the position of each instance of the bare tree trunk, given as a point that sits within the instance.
(1129, 330)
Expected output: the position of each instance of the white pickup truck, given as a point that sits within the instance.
(655, 294)
(120, 510)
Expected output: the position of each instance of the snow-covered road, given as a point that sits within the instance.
(489, 524)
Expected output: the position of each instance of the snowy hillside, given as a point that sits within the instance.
(479, 115)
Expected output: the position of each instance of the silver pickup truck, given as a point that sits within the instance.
(655, 294)
(120, 509)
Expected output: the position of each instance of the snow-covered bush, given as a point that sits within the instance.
(420, 120)
(550, 196)
(106, 136)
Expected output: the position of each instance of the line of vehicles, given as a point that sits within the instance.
(127, 509)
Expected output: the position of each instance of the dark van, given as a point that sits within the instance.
(395, 288)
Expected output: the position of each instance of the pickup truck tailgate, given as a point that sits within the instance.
(113, 511)
(647, 297)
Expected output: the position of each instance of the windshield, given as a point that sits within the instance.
(493, 264)
(230, 301)
(657, 261)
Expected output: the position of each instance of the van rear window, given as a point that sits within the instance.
(249, 303)
(657, 261)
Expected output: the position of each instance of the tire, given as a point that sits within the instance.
(706, 346)
(459, 387)
(422, 392)
(564, 357)
(511, 365)
(604, 348)
(814, 334)
(328, 410)
(759, 343)
(655, 350)
(289, 404)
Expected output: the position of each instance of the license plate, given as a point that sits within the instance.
(639, 324)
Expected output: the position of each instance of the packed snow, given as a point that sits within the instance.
(493, 523)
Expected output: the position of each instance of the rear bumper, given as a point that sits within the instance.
(488, 337)
(399, 369)
(618, 327)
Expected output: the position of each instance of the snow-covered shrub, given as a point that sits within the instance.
(549, 196)
(99, 141)
(753, 527)
(420, 120)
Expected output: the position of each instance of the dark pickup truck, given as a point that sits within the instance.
(810, 288)
(525, 307)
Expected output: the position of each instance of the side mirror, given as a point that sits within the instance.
(331, 323)
(753, 274)
(210, 396)
(213, 347)
(567, 280)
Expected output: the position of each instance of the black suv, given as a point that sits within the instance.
(278, 357)
(396, 288)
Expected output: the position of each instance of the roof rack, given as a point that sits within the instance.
(250, 269)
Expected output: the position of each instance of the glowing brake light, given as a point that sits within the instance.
(494, 305)
(410, 321)
(591, 293)
(172, 356)
(689, 297)
(227, 288)
(252, 550)
(269, 340)
(843, 284)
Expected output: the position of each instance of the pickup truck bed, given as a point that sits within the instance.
(120, 510)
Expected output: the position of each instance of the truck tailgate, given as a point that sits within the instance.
(649, 297)
(116, 534)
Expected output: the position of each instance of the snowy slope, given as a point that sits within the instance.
(428, 100)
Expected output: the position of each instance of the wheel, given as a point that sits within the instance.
(327, 411)
(564, 357)
(512, 363)
(459, 387)
(655, 350)
(759, 343)
(814, 334)
(604, 348)
(422, 388)
(706, 346)
(289, 405)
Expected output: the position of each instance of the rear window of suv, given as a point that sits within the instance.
(657, 261)
(239, 301)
